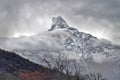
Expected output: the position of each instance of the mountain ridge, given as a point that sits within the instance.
(61, 38)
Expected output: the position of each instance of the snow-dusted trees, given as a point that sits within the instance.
(56, 62)
(95, 76)
(62, 63)
(70, 67)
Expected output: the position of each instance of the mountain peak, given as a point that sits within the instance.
(58, 23)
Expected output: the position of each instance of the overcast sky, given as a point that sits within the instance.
(101, 18)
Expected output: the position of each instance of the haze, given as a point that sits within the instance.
(29, 17)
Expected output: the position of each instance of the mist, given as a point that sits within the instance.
(28, 17)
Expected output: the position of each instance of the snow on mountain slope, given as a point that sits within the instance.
(62, 38)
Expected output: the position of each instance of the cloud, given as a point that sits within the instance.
(45, 41)
(102, 9)
(104, 17)
(99, 17)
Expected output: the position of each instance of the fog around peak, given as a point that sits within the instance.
(99, 18)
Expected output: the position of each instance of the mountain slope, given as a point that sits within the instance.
(61, 38)
(10, 62)
(14, 67)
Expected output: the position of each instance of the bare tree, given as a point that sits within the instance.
(95, 76)
(45, 58)
(72, 68)
(59, 62)
(63, 64)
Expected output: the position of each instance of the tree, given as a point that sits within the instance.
(59, 62)
(70, 67)
(95, 76)
(63, 64)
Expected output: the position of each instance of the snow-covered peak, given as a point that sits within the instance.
(58, 23)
